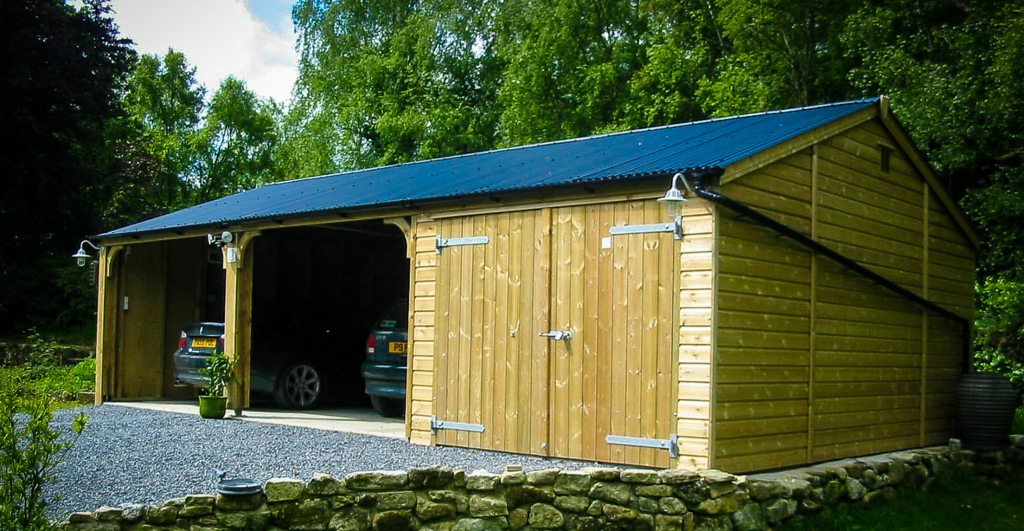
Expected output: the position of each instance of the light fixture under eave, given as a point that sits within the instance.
(82, 256)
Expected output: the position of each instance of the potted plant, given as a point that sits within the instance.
(219, 371)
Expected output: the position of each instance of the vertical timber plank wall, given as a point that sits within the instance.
(420, 384)
(876, 373)
(763, 323)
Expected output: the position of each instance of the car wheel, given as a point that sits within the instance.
(388, 407)
(300, 386)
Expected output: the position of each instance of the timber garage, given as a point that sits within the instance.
(809, 299)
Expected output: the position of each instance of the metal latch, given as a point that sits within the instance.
(436, 424)
(669, 444)
(440, 243)
(557, 335)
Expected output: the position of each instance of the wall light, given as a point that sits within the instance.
(82, 256)
(674, 197)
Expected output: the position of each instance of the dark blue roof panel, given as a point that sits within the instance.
(710, 143)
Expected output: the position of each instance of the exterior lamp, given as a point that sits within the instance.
(82, 256)
(674, 204)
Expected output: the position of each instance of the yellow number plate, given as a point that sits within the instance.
(204, 342)
(396, 347)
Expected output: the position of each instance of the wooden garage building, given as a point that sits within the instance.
(812, 301)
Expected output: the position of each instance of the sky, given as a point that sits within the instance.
(252, 40)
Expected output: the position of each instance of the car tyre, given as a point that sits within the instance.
(299, 386)
(388, 407)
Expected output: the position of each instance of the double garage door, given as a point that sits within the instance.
(556, 334)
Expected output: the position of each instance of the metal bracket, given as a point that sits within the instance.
(675, 227)
(557, 335)
(451, 425)
(669, 444)
(441, 243)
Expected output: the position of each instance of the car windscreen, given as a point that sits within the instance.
(395, 317)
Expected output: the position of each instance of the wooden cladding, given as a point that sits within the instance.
(548, 270)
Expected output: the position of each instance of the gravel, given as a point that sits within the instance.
(136, 456)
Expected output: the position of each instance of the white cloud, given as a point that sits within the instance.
(219, 38)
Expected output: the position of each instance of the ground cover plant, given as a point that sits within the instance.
(951, 503)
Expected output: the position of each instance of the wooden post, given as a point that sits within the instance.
(106, 322)
(238, 262)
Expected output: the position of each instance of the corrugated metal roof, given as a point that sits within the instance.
(668, 149)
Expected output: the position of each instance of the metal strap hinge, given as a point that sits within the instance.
(670, 444)
(675, 227)
(436, 424)
(441, 243)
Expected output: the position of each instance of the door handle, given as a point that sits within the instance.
(557, 335)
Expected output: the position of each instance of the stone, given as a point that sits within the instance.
(81, 518)
(856, 469)
(596, 508)
(717, 490)
(247, 502)
(394, 521)
(132, 512)
(402, 499)
(198, 505)
(342, 500)
(283, 489)
(719, 523)
(94, 526)
(664, 522)
(392, 480)
(543, 516)
(484, 506)
(724, 505)
(647, 477)
(482, 481)
(906, 458)
(163, 515)
(872, 498)
(603, 473)
(897, 473)
(572, 504)
(838, 472)
(542, 477)
(669, 505)
(518, 518)
(585, 523)
(427, 510)
(324, 485)
(365, 500)
(855, 490)
(716, 476)
(436, 477)
(108, 513)
(247, 521)
(871, 479)
(573, 482)
(517, 477)
(479, 524)
(519, 495)
(779, 510)
(617, 493)
(647, 505)
(832, 492)
(691, 493)
(618, 513)
(308, 515)
(798, 487)
(750, 517)
(350, 519)
(654, 491)
(918, 475)
(677, 476)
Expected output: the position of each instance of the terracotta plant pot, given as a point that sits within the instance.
(212, 407)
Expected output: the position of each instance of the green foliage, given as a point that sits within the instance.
(1000, 329)
(219, 372)
(1018, 422)
(951, 503)
(30, 450)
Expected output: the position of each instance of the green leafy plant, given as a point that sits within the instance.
(219, 372)
(30, 450)
(1018, 422)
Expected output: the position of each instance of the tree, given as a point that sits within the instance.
(61, 72)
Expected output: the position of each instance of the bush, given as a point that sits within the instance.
(1018, 422)
(30, 450)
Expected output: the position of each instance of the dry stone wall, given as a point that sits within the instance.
(441, 499)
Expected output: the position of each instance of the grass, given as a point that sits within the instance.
(61, 383)
(951, 503)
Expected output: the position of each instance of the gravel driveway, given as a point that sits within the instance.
(128, 455)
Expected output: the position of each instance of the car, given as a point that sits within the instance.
(384, 370)
(294, 382)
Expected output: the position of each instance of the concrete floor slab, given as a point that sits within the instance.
(364, 421)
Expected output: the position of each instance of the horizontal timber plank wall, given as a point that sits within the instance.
(815, 362)
(420, 384)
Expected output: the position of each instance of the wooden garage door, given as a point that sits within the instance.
(521, 274)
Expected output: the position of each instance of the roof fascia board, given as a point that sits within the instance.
(779, 151)
(917, 159)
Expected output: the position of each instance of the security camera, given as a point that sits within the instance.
(227, 237)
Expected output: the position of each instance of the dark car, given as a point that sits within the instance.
(385, 366)
(292, 381)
